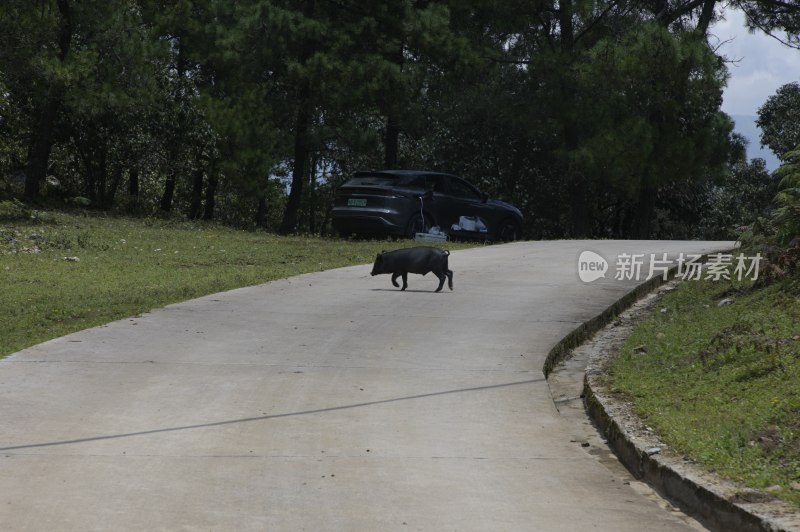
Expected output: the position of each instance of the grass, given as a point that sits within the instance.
(129, 266)
(721, 384)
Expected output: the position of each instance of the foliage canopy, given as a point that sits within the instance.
(593, 116)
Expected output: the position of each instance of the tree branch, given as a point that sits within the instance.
(596, 20)
(753, 20)
(779, 3)
(686, 8)
(705, 16)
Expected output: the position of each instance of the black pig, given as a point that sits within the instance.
(420, 259)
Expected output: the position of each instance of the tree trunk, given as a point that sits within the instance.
(112, 188)
(211, 190)
(326, 221)
(392, 140)
(42, 135)
(618, 220)
(301, 132)
(645, 210)
(102, 177)
(173, 164)
(312, 197)
(89, 170)
(133, 189)
(169, 192)
(576, 185)
(706, 15)
(661, 11)
(261, 212)
(567, 35)
(197, 194)
(133, 183)
(41, 144)
(289, 223)
(172, 175)
(579, 207)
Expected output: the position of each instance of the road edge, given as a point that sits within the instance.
(562, 350)
(717, 504)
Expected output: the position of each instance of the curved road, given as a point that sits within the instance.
(329, 401)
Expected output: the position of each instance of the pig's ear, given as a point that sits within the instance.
(383, 251)
(378, 256)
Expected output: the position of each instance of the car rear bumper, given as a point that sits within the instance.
(349, 220)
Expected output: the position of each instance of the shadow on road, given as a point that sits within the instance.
(406, 290)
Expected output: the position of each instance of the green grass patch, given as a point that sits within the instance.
(721, 384)
(128, 266)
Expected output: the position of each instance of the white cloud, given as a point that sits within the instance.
(762, 64)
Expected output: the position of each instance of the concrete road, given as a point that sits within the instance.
(329, 401)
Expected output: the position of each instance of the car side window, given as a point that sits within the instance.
(416, 183)
(460, 189)
(436, 184)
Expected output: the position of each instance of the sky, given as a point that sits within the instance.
(764, 64)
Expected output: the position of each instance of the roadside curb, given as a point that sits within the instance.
(561, 351)
(718, 504)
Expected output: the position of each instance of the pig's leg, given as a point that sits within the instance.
(394, 279)
(405, 280)
(449, 278)
(441, 277)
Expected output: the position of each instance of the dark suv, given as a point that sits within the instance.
(405, 202)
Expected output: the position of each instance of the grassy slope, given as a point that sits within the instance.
(129, 266)
(722, 383)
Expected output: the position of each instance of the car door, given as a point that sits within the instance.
(466, 209)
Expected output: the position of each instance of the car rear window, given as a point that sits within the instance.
(412, 181)
(367, 180)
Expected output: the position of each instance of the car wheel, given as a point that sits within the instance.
(417, 224)
(509, 231)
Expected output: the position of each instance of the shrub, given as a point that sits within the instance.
(777, 238)
(78, 201)
(787, 215)
(14, 210)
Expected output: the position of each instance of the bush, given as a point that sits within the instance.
(78, 201)
(14, 210)
(777, 238)
(787, 215)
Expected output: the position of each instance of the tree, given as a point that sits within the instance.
(658, 120)
(81, 74)
(368, 56)
(741, 198)
(36, 46)
(110, 107)
(590, 115)
(772, 15)
(416, 41)
(787, 215)
(183, 30)
(12, 148)
(779, 120)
